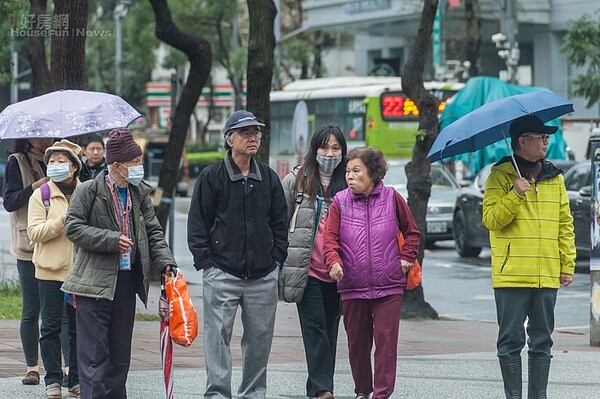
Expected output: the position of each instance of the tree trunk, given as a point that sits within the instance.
(474, 34)
(418, 170)
(261, 47)
(199, 55)
(68, 45)
(42, 83)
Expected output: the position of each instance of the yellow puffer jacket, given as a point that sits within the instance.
(531, 236)
(53, 251)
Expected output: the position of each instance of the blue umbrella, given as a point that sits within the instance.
(491, 122)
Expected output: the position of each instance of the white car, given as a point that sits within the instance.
(440, 208)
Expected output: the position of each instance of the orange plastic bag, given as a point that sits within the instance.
(413, 279)
(183, 320)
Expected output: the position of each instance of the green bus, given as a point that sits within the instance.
(370, 110)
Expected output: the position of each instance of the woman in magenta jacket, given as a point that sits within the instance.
(361, 252)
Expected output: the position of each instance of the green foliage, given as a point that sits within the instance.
(146, 317)
(10, 300)
(194, 146)
(174, 59)
(582, 46)
(298, 51)
(213, 21)
(199, 158)
(13, 13)
(239, 61)
(138, 47)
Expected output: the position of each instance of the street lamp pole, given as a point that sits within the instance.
(120, 12)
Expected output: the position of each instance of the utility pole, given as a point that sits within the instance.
(174, 95)
(237, 80)
(14, 83)
(506, 40)
(512, 30)
(277, 32)
(120, 12)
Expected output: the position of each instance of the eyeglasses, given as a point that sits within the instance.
(250, 133)
(544, 137)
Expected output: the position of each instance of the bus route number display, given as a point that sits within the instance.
(395, 106)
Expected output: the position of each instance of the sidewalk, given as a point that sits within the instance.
(437, 359)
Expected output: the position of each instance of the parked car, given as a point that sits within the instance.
(471, 235)
(441, 203)
(578, 181)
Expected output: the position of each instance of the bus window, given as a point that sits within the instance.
(370, 110)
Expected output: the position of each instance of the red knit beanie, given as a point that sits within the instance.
(120, 146)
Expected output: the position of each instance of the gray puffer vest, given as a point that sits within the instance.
(301, 237)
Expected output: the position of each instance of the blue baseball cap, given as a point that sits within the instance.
(241, 119)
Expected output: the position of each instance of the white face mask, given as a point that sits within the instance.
(328, 164)
(58, 172)
(136, 174)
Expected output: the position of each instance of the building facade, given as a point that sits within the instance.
(384, 31)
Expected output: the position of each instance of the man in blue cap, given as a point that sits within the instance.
(237, 234)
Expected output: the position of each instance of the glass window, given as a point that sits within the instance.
(441, 178)
(395, 175)
(579, 177)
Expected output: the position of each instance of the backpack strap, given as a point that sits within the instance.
(45, 189)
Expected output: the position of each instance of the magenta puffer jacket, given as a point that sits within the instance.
(369, 246)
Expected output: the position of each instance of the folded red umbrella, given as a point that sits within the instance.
(166, 344)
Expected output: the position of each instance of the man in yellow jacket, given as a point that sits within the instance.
(533, 252)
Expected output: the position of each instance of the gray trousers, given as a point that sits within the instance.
(513, 306)
(223, 293)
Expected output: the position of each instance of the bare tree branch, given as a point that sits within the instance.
(199, 55)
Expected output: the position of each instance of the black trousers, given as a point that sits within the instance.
(29, 329)
(52, 305)
(104, 332)
(319, 313)
(513, 306)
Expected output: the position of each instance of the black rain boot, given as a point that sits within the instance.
(539, 368)
(512, 376)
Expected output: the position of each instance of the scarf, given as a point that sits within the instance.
(529, 170)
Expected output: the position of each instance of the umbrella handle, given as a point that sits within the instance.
(512, 155)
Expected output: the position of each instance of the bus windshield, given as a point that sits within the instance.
(369, 110)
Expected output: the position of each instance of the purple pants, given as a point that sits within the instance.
(367, 321)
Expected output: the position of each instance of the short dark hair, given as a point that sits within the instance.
(373, 159)
(92, 138)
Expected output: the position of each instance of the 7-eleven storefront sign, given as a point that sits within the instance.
(158, 100)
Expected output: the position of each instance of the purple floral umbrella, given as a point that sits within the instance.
(65, 113)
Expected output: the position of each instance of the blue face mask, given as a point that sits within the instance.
(58, 172)
(136, 174)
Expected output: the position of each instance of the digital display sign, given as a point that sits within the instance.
(395, 106)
